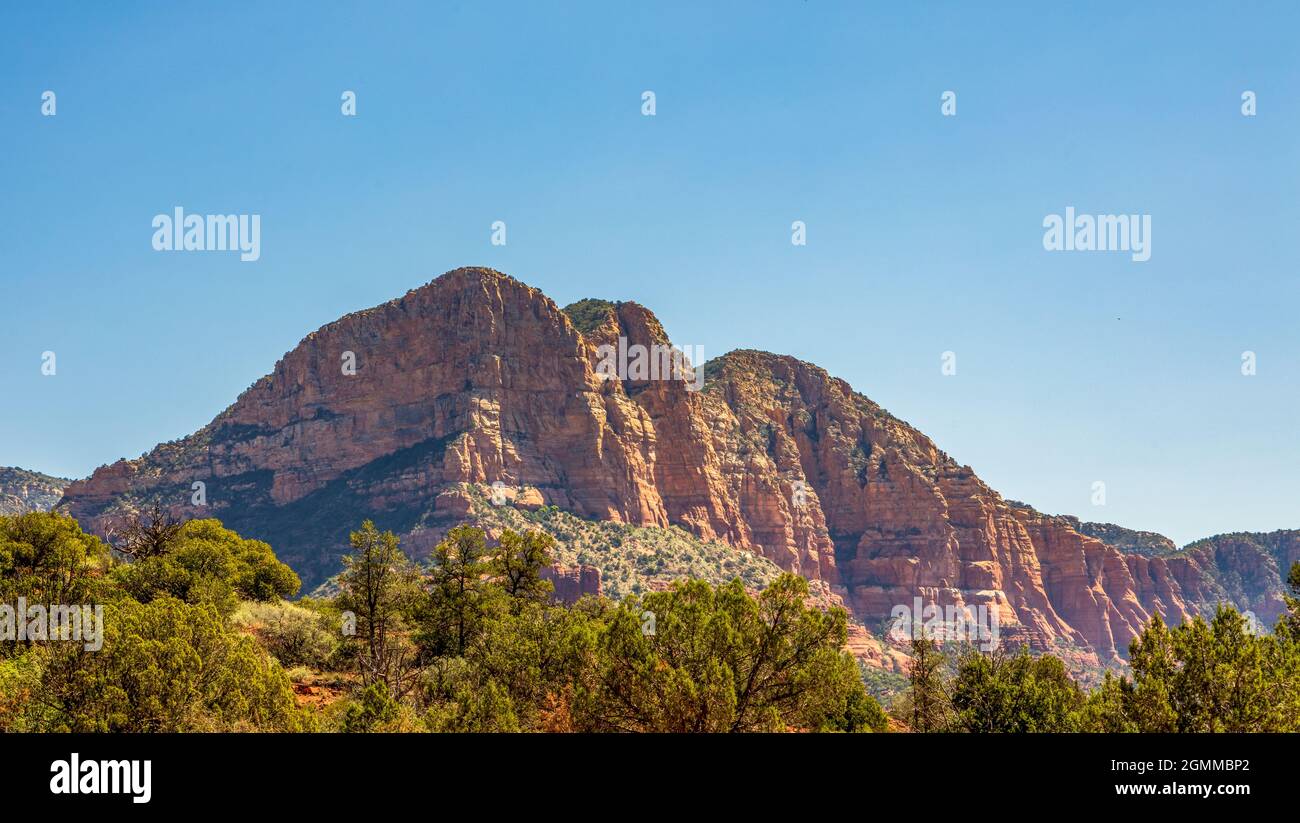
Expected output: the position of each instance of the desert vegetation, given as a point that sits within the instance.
(199, 634)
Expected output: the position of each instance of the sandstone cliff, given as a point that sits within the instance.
(1247, 569)
(572, 583)
(478, 382)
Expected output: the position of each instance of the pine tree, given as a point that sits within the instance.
(379, 586)
(929, 703)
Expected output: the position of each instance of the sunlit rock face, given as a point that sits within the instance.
(479, 379)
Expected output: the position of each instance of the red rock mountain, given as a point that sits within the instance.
(477, 379)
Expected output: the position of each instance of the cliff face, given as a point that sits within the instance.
(572, 583)
(23, 491)
(479, 380)
(1247, 569)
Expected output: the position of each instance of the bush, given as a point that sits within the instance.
(47, 558)
(166, 666)
(292, 634)
(208, 563)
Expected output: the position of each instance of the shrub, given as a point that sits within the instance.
(292, 634)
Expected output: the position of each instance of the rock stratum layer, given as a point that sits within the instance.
(479, 380)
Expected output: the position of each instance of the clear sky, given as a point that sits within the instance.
(924, 232)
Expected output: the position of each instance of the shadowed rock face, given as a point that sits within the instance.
(479, 379)
(572, 583)
(23, 491)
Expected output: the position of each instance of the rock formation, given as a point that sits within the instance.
(572, 583)
(476, 380)
(1247, 569)
(23, 491)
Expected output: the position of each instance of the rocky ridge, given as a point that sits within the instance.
(479, 384)
(23, 491)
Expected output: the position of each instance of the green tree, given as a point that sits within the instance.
(165, 666)
(536, 653)
(1218, 682)
(1014, 693)
(372, 710)
(698, 659)
(518, 563)
(1283, 658)
(1215, 676)
(1289, 623)
(47, 559)
(380, 587)
(1155, 667)
(461, 594)
(926, 700)
(204, 562)
(1105, 710)
(465, 700)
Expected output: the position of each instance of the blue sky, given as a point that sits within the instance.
(924, 231)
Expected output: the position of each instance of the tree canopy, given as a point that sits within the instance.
(193, 633)
(165, 656)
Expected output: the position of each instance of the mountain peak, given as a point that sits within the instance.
(475, 383)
